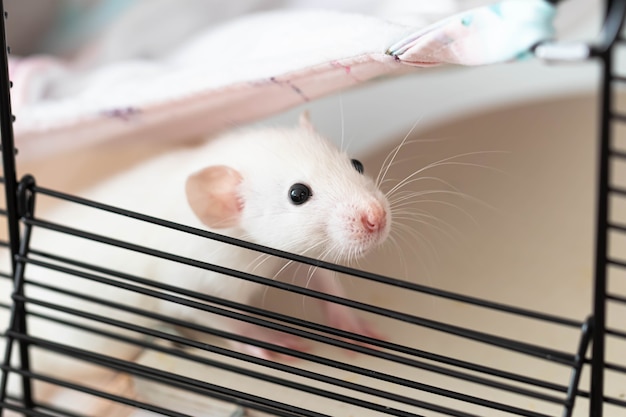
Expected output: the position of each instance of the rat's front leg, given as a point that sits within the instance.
(338, 315)
(245, 294)
(241, 324)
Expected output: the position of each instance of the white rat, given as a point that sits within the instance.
(287, 188)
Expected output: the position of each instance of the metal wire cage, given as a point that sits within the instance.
(410, 381)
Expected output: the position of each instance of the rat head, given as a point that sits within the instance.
(293, 190)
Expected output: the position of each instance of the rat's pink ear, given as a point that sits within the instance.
(305, 121)
(213, 197)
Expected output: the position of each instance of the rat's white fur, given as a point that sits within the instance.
(269, 161)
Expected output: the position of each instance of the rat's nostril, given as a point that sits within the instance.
(374, 220)
(367, 223)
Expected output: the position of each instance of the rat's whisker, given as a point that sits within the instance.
(389, 160)
(414, 214)
(409, 235)
(311, 271)
(397, 189)
(438, 202)
(394, 248)
(449, 161)
(274, 278)
(439, 229)
(257, 262)
(419, 237)
(451, 193)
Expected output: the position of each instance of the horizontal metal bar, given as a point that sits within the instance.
(266, 377)
(215, 310)
(314, 262)
(301, 355)
(618, 190)
(618, 153)
(620, 117)
(616, 297)
(55, 410)
(26, 411)
(303, 373)
(257, 375)
(325, 329)
(617, 227)
(616, 333)
(521, 347)
(615, 401)
(616, 262)
(305, 324)
(201, 387)
(94, 392)
(615, 367)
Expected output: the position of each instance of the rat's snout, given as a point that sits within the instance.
(356, 228)
(374, 218)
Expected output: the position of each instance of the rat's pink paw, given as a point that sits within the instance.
(285, 340)
(343, 318)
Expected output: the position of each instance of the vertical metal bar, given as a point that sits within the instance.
(583, 346)
(8, 145)
(600, 283)
(18, 317)
(614, 20)
(25, 208)
(8, 160)
(18, 323)
(602, 216)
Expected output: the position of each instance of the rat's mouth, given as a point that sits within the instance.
(359, 248)
(357, 231)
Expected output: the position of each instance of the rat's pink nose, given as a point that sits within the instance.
(374, 219)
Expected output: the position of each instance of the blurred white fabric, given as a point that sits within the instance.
(63, 26)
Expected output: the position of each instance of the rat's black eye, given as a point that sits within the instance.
(299, 193)
(357, 165)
